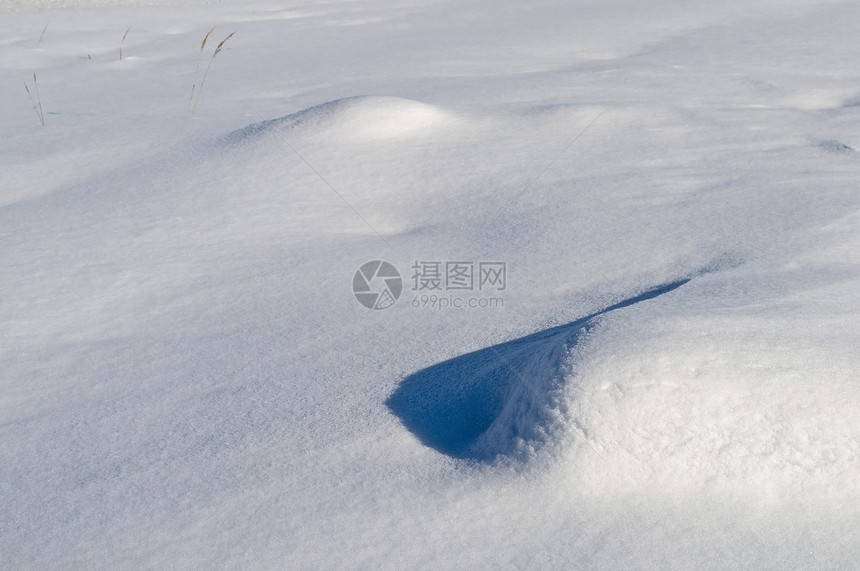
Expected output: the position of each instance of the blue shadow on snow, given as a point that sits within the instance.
(478, 405)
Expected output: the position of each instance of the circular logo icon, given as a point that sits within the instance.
(377, 285)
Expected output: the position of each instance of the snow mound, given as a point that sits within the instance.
(660, 422)
(387, 117)
(361, 118)
(719, 392)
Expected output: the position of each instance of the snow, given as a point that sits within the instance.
(669, 381)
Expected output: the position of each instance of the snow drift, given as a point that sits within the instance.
(501, 400)
(186, 377)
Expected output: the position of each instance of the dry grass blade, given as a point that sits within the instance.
(203, 81)
(45, 29)
(197, 70)
(36, 101)
(122, 41)
(221, 45)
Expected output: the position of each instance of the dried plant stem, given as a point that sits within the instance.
(203, 81)
(197, 71)
(36, 101)
(45, 29)
(122, 41)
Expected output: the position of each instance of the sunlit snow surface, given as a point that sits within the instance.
(187, 380)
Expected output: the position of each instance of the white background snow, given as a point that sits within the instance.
(187, 380)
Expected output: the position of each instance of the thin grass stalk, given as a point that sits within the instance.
(36, 101)
(197, 71)
(203, 81)
(122, 41)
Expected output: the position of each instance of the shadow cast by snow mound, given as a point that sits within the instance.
(501, 399)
